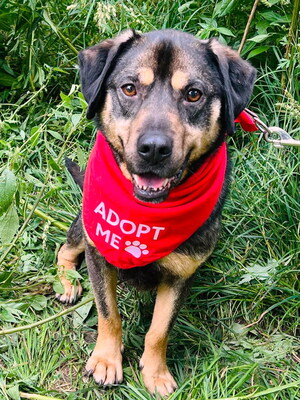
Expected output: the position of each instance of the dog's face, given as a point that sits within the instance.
(165, 100)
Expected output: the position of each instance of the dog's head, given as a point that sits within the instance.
(165, 100)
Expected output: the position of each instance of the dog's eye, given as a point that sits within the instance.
(193, 95)
(129, 89)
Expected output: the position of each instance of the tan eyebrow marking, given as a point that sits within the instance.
(146, 76)
(179, 80)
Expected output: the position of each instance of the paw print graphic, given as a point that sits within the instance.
(136, 248)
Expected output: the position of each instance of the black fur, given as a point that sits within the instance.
(165, 55)
(237, 77)
(94, 71)
(75, 171)
(98, 276)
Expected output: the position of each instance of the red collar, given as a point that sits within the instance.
(131, 233)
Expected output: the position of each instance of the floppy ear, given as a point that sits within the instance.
(96, 63)
(237, 77)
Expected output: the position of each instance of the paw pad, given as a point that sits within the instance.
(136, 248)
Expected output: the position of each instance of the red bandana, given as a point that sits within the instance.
(132, 233)
(247, 122)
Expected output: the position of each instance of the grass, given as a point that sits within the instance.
(237, 336)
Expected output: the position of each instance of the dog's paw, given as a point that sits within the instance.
(71, 292)
(158, 380)
(105, 370)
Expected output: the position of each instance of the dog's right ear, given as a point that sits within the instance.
(96, 63)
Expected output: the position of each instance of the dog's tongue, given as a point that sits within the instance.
(149, 181)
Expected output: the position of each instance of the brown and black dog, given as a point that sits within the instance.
(165, 101)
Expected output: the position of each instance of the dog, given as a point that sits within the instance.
(164, 103)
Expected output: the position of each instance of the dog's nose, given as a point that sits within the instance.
(154, 147)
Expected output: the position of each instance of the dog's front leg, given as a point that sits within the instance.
(156, 375)
(105, 363)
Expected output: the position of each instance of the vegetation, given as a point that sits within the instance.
(237, 337)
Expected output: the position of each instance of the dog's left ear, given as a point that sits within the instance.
(237, 77)
(95, 64)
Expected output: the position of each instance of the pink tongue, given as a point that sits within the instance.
(149, 181)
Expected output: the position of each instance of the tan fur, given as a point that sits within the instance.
(107, 110)
(67, 259)
(222, 50)
(114, 132)
(106, 359)
(177, 127)
(125, 171)
(87, 238)
(179, 80)
(181, 264)
(135, 125)
(146, 76)
(202, 139)
(155, 372)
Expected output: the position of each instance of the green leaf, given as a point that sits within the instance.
(259, 38)
(82, 100)
(224, 7)
(260, 272)
(185, 6)
(225, 31)
(258, 50)
(8, 187)
(81, 313)
(57, 69)
(271, 16)
(14, 392)
(38, 302)
(81, 157)
(34, 135)
(75, 119)
(6, 79)
(9, 224)
(7, 316)
(49, 21)
(53, 164)
(58, 287)
(64, 97)
(55, 134)
(72, 275)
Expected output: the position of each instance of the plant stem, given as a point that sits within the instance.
(248, 26)
(16, 288)
(34, 396)
(292, 37)
(44, 321)
(24, 223)
(263, 392)
(46, 217)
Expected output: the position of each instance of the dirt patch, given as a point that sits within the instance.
(66, 377)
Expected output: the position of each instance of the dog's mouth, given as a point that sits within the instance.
(151, 187)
